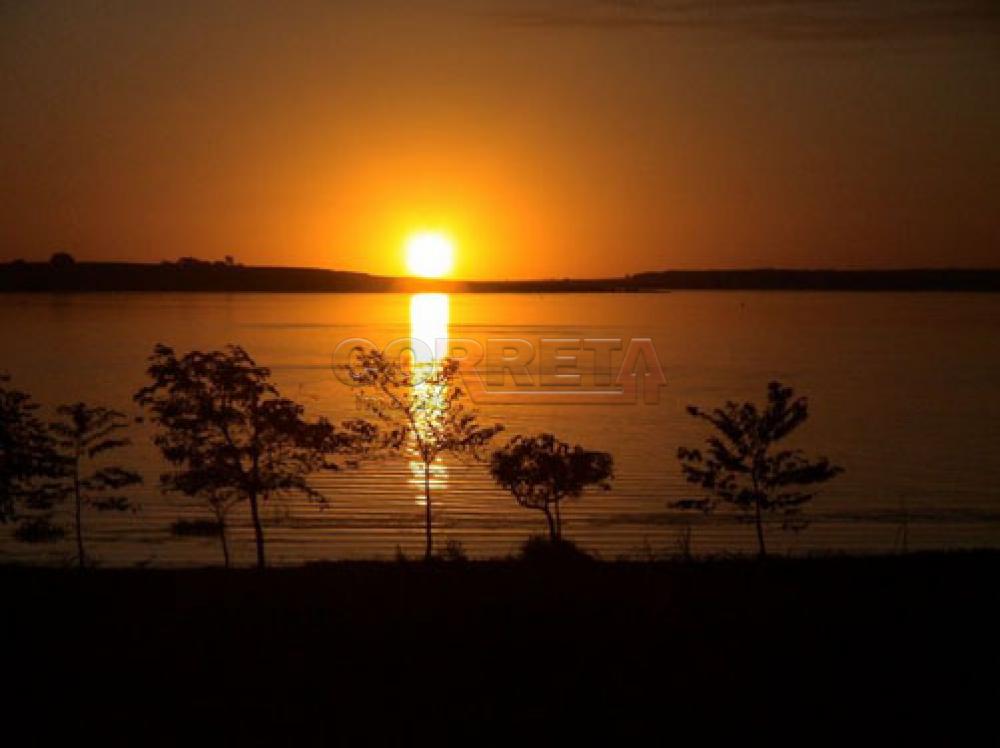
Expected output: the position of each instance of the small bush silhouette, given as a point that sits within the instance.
(540, 471)
(454, 552)
(195, 528)
(62, 260)
(539, 549)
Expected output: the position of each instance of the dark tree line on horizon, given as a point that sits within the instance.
(232, 439)
(64, 273)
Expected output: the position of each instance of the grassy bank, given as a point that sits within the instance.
(403, 652)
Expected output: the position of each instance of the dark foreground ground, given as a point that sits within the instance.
(405, 653)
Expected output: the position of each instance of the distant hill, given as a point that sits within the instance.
(178, 276)
(62, 274)
(768, 279)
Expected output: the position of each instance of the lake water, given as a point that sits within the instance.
(904, 392)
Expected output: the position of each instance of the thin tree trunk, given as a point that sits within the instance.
(558, 535)
(429, 549)
(762, 550)
(552, 525)
(258, 531)
(224, 541)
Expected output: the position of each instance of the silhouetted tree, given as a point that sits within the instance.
(84, 434)
(28, 460)
(232, 436)
(421, 407)
(540, 471)
(741, 466)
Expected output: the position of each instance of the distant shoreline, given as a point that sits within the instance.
(203, 276)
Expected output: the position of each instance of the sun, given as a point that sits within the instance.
(429, 254)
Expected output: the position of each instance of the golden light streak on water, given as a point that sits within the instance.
(429, 316)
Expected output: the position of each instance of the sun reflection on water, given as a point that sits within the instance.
(429, 336)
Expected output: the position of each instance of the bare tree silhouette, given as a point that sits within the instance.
(84, 434)
(540, 471)
(231, 435)
(29, 464)
(741, 467)
(423, 404)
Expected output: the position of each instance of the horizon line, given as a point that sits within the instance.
(195, 262)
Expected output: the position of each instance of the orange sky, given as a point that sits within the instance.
(550, 139)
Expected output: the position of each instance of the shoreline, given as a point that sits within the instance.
(198, 276)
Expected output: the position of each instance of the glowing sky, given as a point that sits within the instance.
(549, 139)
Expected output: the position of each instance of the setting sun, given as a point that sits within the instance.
(429, 254)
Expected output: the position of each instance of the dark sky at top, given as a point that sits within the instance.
(548, 138)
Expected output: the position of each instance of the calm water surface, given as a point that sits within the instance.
(904, 392)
